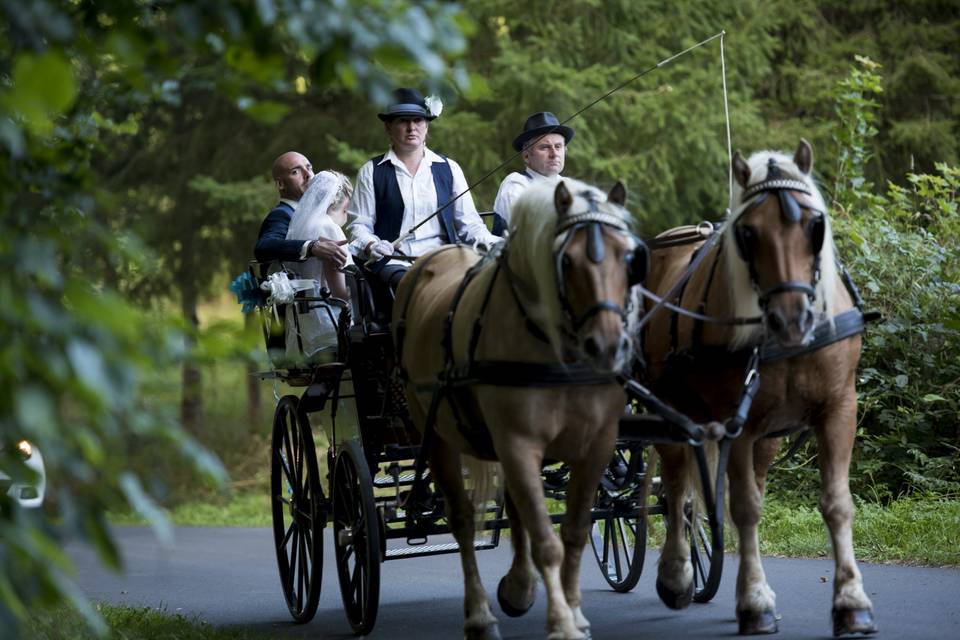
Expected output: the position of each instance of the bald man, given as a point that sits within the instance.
(292, 173)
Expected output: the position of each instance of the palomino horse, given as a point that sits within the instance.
(536, 383)
(776, 264)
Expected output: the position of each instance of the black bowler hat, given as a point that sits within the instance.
(539, 124)
(407, 102)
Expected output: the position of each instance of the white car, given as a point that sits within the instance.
(29, 495)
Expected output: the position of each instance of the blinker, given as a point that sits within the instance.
(817, 229)
(638, 264)
(742, 235)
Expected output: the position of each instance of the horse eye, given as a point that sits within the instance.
(566, 262)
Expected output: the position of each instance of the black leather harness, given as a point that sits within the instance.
(453, 378)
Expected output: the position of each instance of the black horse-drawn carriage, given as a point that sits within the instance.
(376, 491)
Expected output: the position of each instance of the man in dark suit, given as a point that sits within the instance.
(292, 173)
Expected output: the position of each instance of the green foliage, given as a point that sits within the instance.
(857, 115)
(83, 85)
(910, 370)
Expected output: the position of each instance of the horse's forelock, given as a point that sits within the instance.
(743, 297)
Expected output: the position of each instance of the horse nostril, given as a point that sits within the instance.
(775, 321)
(591, 347)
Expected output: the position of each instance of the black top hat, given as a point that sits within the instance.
(406, 102)
(539, 124)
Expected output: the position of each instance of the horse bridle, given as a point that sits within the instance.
(790, 208)
(593, 220)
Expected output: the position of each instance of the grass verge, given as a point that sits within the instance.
(922, 531)
(129, 623)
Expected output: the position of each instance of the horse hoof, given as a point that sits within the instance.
(675, 600)
(850, 621)
(755, 623)
(490, 632)
(509, 609)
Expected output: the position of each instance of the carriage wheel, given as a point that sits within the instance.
(619, 538)
(706, 553)
(356, 535)
(297, 502)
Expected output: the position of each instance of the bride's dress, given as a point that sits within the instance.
(312, 332)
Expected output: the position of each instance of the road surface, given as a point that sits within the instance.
(228, 577)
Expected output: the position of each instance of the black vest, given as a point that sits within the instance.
(386, 191)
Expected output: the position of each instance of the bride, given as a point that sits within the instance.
(320, 214)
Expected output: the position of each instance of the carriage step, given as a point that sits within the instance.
(434, 549)
(405, 479)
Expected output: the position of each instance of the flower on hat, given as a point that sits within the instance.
(434, 105)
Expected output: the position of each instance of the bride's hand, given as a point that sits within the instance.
(330, 250)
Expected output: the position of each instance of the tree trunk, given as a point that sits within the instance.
(191, 395)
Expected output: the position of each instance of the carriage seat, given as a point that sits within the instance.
(305, 325)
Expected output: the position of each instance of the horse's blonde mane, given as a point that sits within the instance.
(743, 297)
(532, 242)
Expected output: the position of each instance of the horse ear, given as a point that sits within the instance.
(618, 194)
(803, 157)
(562, 199)
(741, 170)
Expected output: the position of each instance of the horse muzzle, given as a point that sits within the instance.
(606, 345)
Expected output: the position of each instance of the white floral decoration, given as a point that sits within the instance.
(434, 104)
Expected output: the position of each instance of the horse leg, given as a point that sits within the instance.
(518, 589)
(674, 571)
(581, 493)
(521, 469)
(756, 601)
(445, 465)
(852, 609)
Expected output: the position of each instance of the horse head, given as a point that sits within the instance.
(596, 260)
(780, 241)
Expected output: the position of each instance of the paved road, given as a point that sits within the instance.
(229, 577)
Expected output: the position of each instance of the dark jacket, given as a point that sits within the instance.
(272, 243)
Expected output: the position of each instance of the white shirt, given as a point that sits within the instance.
(419, 201)
(511, 188)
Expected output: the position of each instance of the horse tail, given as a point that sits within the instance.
(483, 483)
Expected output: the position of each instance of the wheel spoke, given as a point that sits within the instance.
(291, 475)
(699, 574)
(298, 461)
(286, 537)
(616, 549)
(705, 542)
(356, 580)
(300, 577)
(284, 465)
(622, 526)
(293, 561)
(606, 545)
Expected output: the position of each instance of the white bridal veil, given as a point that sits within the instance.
(314, 331)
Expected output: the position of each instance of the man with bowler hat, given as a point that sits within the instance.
(399, 189)
(543, 142)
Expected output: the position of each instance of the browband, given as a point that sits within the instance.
(607, 219)
(775, 185)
